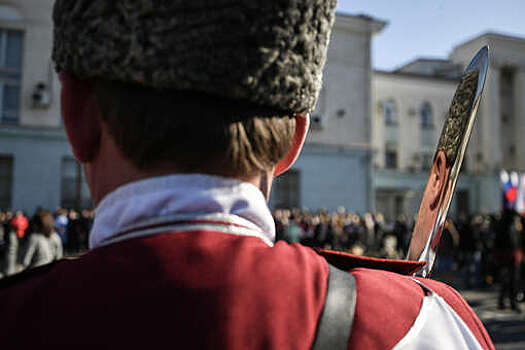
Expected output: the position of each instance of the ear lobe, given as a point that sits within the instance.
(81, 117)
(302, 123)
(439, 171)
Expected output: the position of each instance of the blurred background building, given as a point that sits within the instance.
(372, 136)
(410, 107)
(36, 164)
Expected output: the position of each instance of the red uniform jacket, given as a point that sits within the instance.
(204, 289)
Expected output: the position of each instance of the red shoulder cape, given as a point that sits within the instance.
(206, 290)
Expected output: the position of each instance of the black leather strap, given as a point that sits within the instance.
(335, 324)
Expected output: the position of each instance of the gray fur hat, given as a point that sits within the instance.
(271, 52)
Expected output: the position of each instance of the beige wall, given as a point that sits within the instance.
(344, 106)
(409, 93)
(37, 67)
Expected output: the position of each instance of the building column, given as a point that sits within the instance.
(371, 186)
(519, 117)
(490, 121)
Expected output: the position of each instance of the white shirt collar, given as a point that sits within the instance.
(171, 195)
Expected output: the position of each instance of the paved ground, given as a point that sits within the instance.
(506, 327)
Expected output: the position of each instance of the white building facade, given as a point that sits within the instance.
(37, 167)
(409, 110)
(334, 168)
(403, 149)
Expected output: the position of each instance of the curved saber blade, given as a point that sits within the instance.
(444, 174)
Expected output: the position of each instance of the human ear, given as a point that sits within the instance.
(81, 115)
(438, 174)
(302, 122)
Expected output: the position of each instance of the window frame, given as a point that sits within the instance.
(388, 164)
(10, 77)
(427, 120)
(390, 105)
(10, 160)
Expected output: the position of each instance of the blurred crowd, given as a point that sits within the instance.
(27, 242)
(368, 234)
(476, 251)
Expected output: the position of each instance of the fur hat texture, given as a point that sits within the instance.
(270, 52)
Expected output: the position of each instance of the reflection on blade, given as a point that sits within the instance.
(453, 144)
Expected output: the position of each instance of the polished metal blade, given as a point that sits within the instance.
(453, 142)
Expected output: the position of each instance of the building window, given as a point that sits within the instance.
(11, 45)
(507, 96)
(391, 159)
(390, 112)
(286, 192)
(506, 82)
(426, 116)
(75, 192)
(6, 181)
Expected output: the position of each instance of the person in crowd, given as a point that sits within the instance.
(86, 219)
(20, 224)
(322, 231)
(369, 224)
(34, 224)
(11, 247)
(509, 258)
(3, 242)
(74, 231)
(61, 223)
(294, 232)
(380, 229)
(85, 222)
(390, 249)
(402, 233)
(487, 236)
(44, 244)
(470, 250)
(448, 248)
(308, 224)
